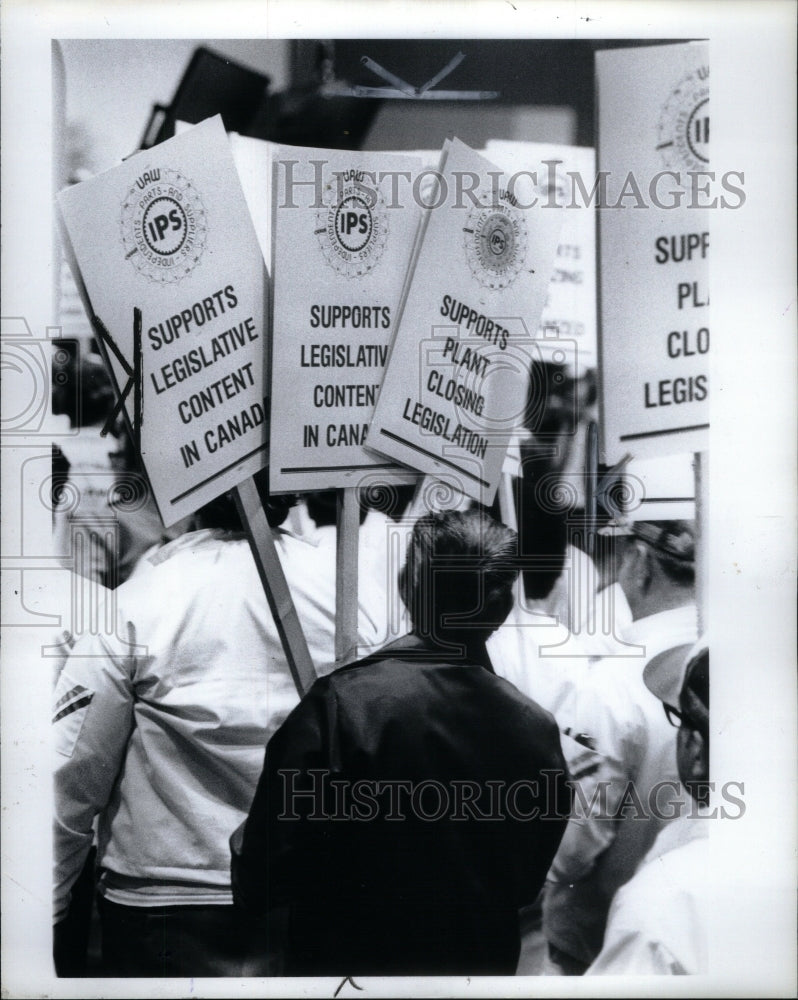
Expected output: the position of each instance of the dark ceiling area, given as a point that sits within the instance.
(325, 106)
(522, 71)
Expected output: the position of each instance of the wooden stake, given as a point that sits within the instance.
(278, 595)
(346, 592)
(591, 486)
(701, 473)
(507, 509)
(418, 505)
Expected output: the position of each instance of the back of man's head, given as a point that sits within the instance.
(657, 571)
(673, 547)
(222, 512)
(458, 579)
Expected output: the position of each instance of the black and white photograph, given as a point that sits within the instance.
(398, 404)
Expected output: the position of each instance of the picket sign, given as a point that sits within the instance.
(654, 347)
(182, 208)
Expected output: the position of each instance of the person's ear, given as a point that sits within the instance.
(643, 566)
(693, 755)
(500, 607)
(403, 586)
(630, 558)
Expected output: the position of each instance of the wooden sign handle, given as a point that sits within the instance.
(591, 485)
(507, 509)
(346, 582)
(278, 595)
(701, 473)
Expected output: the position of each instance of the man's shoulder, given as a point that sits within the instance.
(195, 556)
(395, 668)
(395, 676)
(404, 661)
(659, 919)
(674, 868)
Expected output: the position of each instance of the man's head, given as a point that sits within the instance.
(657, 570)
(679, 677)
(458, 578)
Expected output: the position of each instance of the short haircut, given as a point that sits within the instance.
(459, 575)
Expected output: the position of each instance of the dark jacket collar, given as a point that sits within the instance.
(427, 650)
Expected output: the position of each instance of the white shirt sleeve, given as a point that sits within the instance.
(92, 719)
(598, 785)
(658, 920)
(628, 951)
(601, 713)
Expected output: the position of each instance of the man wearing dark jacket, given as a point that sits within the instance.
(413, 801)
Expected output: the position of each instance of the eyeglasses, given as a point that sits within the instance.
(679, 719)
(673, 715)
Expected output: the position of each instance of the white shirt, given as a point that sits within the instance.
(382, 548)
(626, 725)
(538, 654)
(547, 661)
(161, 727)
(658, 923)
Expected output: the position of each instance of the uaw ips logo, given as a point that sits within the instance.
(683, 130)
(352, 227)
(495, 240)
(164, 225)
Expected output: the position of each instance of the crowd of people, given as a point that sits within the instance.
(485, 771)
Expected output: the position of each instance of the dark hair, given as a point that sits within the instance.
(459, 574)
(392, 499)
(81, 388)
(222, 513)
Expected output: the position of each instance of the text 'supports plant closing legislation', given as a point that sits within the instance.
(456, 384)
(654, 241)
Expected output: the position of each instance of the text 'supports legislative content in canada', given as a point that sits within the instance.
(166, 251)
(341, 247)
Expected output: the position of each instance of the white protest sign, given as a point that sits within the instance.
(567, 329)
(343, 226)
(661, 489)
(171, 267)
(457, 379)
(253, 160)
(655, 192)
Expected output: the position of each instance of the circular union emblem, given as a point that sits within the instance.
(163, 225)
(352, 227)
(683, 129)
(495, 243)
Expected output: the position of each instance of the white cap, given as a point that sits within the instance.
(664, 674)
